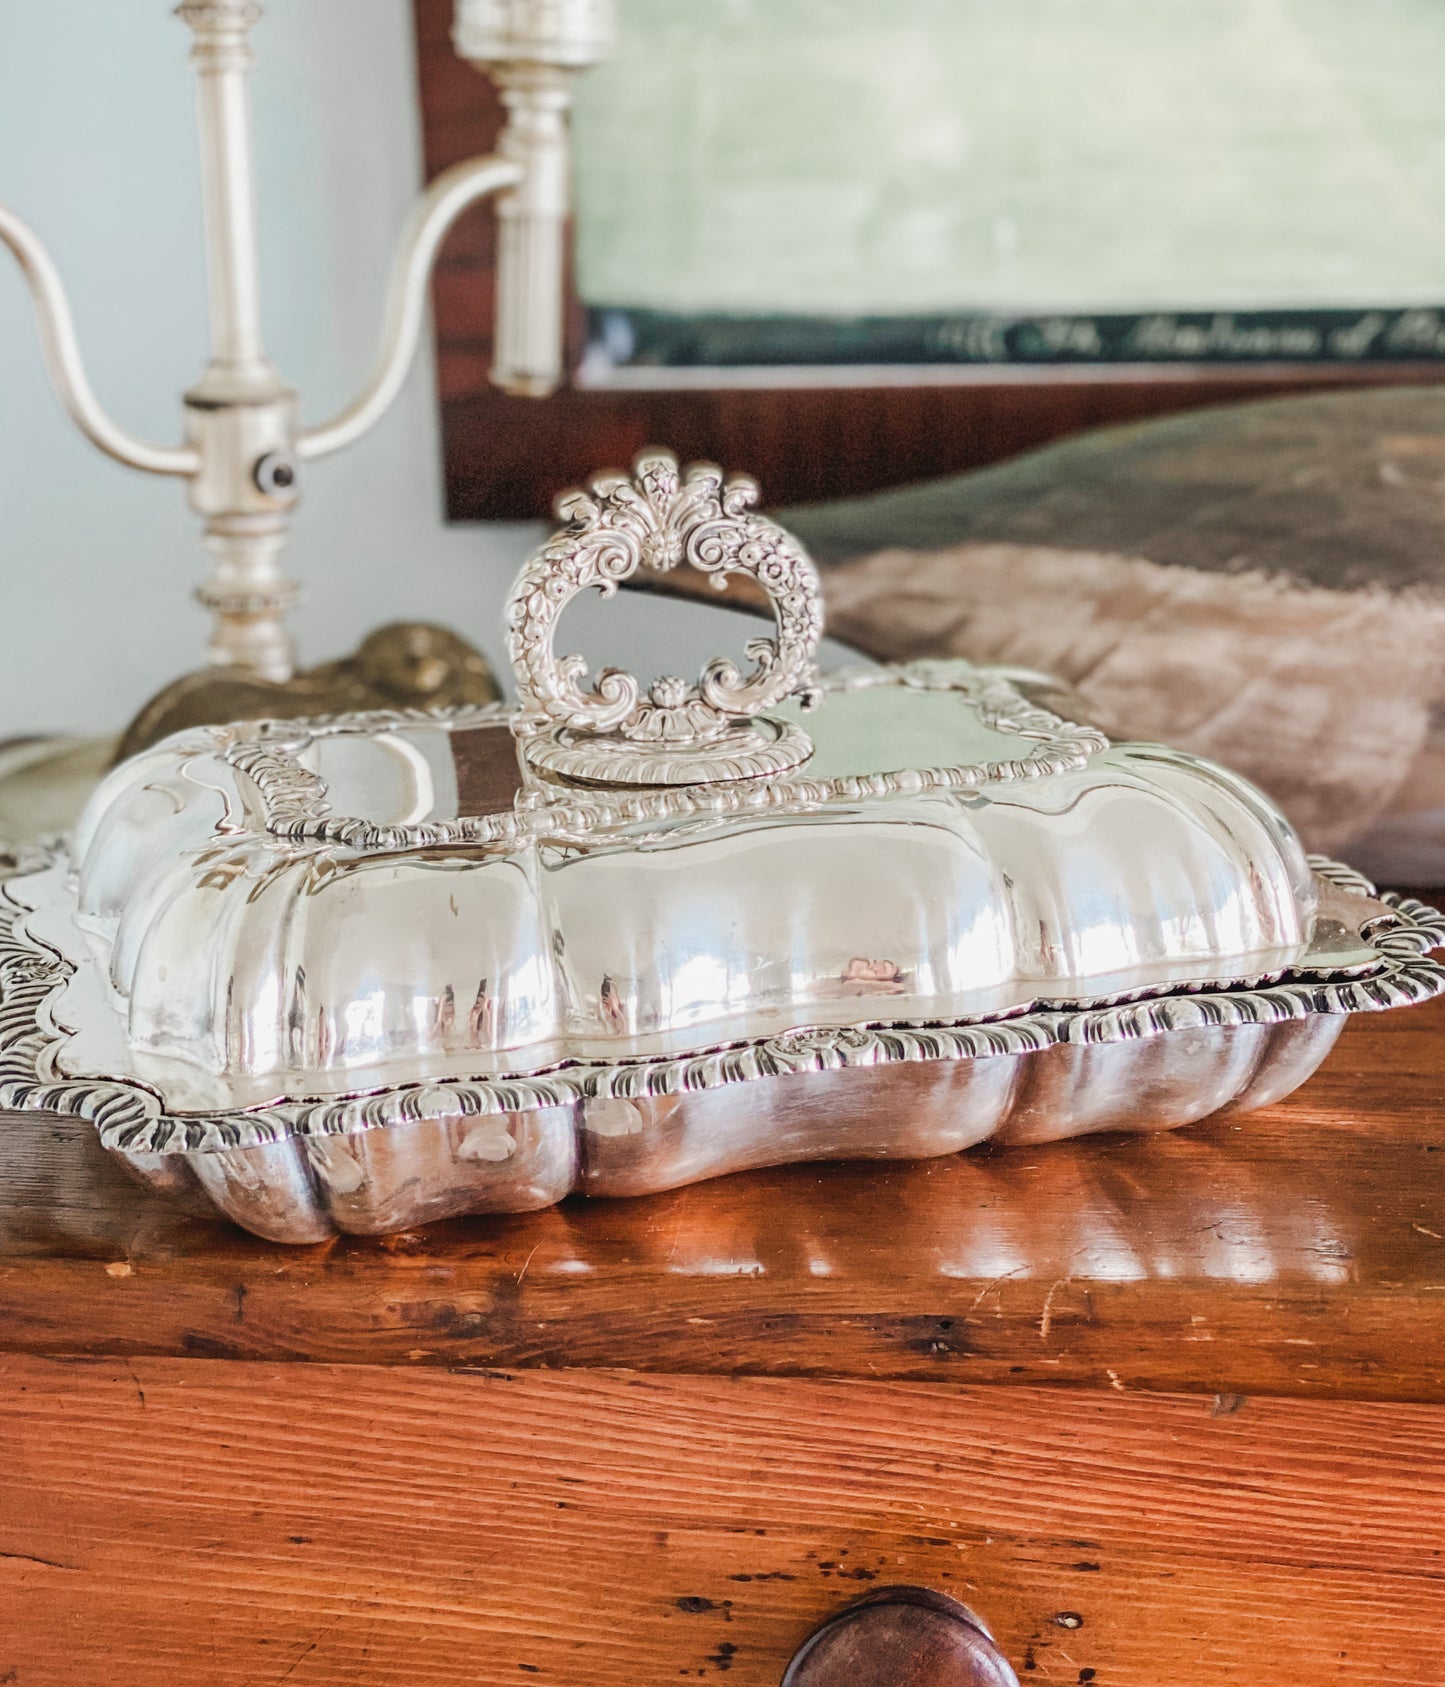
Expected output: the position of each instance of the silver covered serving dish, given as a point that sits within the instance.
(358, 973)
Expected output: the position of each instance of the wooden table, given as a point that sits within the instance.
(1166, 1412)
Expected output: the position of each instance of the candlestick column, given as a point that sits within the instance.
(240, 414)
(533, 50)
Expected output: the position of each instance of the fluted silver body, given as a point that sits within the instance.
(358, 973)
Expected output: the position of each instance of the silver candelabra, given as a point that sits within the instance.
(244, 444)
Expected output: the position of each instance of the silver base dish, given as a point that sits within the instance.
(308, 1189)
(356, 973)
(388, 1161)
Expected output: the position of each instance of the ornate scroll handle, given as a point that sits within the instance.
(655, 520)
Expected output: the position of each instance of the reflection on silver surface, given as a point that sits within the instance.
(380, 1181)
(288, 924)
(361, 973)
(875, 1080)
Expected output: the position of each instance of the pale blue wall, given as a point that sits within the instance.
(96, 562)
(97, 150)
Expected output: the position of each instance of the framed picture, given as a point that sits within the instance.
(850, 246)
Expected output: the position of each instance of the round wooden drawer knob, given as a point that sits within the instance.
(900, 1637)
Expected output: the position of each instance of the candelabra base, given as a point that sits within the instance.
(403, 665)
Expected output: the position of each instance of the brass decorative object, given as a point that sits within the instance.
(403, 665)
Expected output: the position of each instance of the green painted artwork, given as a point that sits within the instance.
(987, 178)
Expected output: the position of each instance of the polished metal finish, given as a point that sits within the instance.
(244, 442)
(533, 50)
(360, 972)
(368, 1164)
(716, 730)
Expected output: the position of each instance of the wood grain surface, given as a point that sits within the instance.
(1295, 1251)
(658, 1440)
(197, 1521)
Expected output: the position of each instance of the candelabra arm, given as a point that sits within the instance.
(63, 362)
(427, 227)
(533, 51)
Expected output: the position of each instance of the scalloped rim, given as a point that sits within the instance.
(296, 806)
(131, 1117)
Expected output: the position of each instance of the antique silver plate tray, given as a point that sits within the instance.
(357, 973)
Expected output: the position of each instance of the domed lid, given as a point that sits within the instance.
(603, 888)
